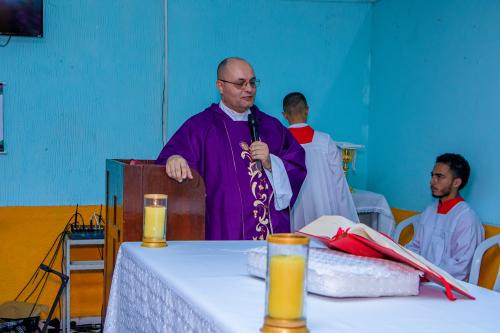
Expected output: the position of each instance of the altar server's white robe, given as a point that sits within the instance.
(325, 190)
(448, 240)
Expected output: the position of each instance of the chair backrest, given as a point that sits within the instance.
(496, 286)
(403, 224)
(478, 257)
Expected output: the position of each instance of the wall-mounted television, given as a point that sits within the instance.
(21, 18)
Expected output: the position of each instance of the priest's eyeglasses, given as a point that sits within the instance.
(254, 83)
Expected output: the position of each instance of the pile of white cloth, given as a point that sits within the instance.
(338, 274)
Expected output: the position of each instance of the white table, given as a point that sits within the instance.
(375, 207)
(204, 287)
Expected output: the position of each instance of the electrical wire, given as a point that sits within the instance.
(99, 223)
(100, 252)
(44, 277)
(35, 273)
(6, 43)
(39, 281)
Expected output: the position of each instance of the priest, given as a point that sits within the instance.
(449, 230)
(253, 170)
(325, 190)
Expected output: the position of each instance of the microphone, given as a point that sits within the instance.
(254, 133)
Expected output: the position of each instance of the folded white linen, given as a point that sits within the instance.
(338, 274)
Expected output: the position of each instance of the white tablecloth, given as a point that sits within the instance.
(376, 205)
(204, 287)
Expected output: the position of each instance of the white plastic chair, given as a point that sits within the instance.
(403, 224)
(478, 257)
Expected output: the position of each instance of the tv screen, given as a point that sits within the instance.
(21, 18)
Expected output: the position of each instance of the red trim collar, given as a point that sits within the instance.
(446, 206)
(303, 135)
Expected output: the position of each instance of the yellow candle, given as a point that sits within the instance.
(286, 287)
(154, 222)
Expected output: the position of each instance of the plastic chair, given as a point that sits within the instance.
(403, 224)
(478, 257)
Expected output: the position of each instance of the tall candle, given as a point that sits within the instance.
(154, 222)
(286, 286)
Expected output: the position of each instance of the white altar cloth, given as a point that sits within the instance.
(203, 286)
(376, 205)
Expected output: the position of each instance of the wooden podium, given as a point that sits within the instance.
(126, 183)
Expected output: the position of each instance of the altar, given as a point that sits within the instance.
(203, 286)
(374, 211)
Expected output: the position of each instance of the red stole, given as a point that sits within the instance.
(303, 135)
(445, 206)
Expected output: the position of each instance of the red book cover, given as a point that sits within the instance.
(339, 233)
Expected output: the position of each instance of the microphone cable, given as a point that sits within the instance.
(44, 277)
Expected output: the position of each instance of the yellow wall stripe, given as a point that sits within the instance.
(26, 235)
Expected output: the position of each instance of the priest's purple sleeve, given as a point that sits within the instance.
(293, 157)
(183, 143)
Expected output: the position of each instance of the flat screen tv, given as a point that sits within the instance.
(21, 18)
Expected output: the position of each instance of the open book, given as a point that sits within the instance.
(339, 233)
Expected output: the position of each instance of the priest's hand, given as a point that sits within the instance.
(260, 151)
(178, 168)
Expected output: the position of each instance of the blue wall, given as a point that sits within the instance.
(408, 79)
(90, 89)
(434, 81)
(318, 48)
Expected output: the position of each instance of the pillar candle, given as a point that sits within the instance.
(286, 286)
(154, 222)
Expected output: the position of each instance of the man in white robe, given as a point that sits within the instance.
(325, 190)
(448, 231)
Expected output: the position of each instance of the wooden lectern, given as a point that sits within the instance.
(126, 183)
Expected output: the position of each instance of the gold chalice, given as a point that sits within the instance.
(348, 151)
(347, 157)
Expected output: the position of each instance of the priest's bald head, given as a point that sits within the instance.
(236, 83)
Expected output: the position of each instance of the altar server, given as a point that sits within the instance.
(448, 231)
(325, 190)
(253, 171)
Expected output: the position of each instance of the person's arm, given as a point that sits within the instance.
(466, 237)
(180, 153)
(293, 158)
(280, 182)
(276, 173)
(291, 167)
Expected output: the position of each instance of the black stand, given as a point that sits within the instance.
(64, 282)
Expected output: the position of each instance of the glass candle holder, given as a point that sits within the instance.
(286, 283)
(154, 227)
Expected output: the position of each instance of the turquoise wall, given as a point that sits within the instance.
(318, 48)
(90, 89)
(408, 79)
(434, 80)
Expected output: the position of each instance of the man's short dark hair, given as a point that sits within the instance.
(294, 103)
(458, 165)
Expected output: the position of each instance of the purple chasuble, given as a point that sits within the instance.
(239, 201)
